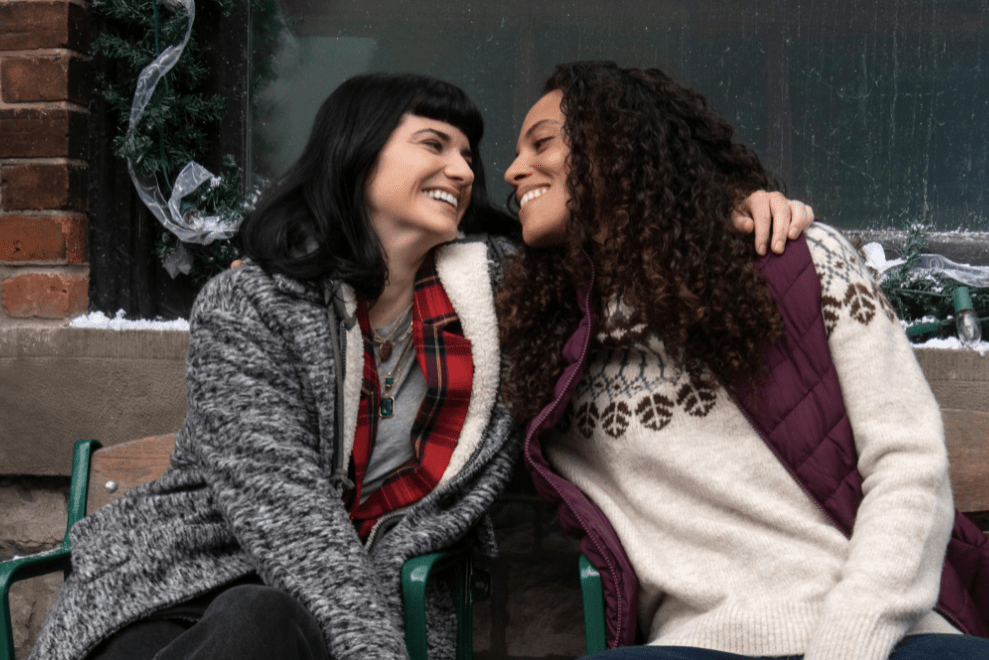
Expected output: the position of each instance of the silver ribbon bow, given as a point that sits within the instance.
(190, 226)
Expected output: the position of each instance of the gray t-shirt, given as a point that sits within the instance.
(393, 446)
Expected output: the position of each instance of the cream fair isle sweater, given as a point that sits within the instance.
(730, 553)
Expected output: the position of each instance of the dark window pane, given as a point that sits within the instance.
(874, 111)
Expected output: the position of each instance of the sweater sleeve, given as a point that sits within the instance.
(892, 573)
(253, 425)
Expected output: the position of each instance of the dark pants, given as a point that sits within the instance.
(241, 622)
(914, 647)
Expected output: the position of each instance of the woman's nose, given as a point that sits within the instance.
(459, 168)
(517, 170)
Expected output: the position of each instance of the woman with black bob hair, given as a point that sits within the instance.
(342, 413)
(346, 139)
(342, 408)
(745, 445)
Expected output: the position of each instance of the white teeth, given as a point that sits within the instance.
(531, 195)
(443, 196)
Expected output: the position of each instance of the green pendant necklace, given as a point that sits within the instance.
(391, 379)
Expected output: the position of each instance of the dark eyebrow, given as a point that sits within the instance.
(532, 129)
(439, 134)
(467, 153)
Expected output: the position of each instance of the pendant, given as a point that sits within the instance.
(387, 408)
(384, 351)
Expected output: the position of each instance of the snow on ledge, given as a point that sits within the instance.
(954, 344)
(118, 322)
(101, 321)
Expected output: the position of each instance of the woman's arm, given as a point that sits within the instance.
(892, 574)
(762, 211)
(255, 429)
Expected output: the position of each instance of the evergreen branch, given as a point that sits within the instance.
(131, 12)
(136, 56)
(174, 127)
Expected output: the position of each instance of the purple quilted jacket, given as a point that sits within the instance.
(802, 385)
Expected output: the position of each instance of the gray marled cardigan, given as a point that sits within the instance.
(255, 486)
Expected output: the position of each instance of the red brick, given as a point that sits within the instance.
(31, 239)
(45, 296)
(76, 233)
(43, 78)
(57, 240)
(31, 25)
(55, 133)
(40, 187)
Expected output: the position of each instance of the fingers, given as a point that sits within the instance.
(236, 263)
(802, 218)
(780, 208)
(760, 210)
(740, 220)
(764, 211)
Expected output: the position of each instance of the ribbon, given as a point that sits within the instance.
(190, 226)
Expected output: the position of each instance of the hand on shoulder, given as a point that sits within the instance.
(763, 211)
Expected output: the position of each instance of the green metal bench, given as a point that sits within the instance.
(467, 584)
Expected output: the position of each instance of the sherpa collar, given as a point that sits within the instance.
(462, 268)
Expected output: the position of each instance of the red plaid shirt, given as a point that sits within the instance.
(445, 359)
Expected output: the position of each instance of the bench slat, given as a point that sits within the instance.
(129, 464)
(967, 433)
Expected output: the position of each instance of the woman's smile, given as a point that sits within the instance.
(444, 196)
(539, 172)
(531, 195)
(421, 184)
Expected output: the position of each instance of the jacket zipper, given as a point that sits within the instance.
(341, 370)
(373, 536)
(338, 341)
(539, 419)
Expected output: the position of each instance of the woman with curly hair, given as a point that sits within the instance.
(745, 445)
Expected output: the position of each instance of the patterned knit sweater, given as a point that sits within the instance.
(729, 552)
(255, 479)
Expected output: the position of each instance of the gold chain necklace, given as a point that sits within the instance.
(386, 345)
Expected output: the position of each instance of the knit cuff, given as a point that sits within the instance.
(863, 636)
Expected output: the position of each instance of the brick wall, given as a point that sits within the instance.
(43, 160)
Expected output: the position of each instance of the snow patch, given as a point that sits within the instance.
(119, 322)
(955, 344)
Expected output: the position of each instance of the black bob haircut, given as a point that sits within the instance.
(313, 222)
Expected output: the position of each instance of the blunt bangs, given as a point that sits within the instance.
(439, 100)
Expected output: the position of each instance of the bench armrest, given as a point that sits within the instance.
(50, 561)
(593, 593)
(467, 585)
(22, 568)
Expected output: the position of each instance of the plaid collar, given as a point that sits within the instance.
(444, 356)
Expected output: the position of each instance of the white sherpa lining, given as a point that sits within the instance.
(353, 375)
(463, 271)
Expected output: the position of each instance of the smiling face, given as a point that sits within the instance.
(539, 174)
(420, 186)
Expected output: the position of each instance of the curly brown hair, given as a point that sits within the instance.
(653, 175)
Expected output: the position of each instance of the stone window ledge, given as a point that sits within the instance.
(61, 384)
